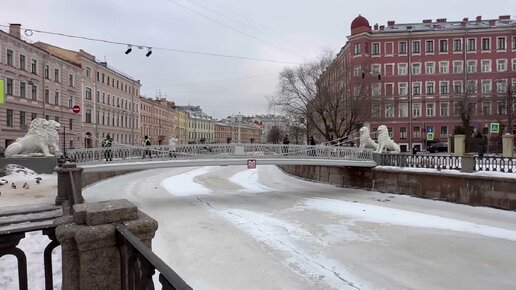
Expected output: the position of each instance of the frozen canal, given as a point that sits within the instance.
(233, 228)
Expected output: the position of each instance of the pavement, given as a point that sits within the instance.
(228, 227)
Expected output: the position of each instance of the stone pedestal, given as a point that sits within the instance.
(65, 185)
(508, 144)
(459, 145)
(90, 254)
(450, 142)
(468, 163)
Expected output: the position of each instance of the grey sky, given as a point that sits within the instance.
(284, 30)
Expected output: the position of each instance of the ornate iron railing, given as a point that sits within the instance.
(217, 151)
(139, 264)
(419, 161)
(493, 163)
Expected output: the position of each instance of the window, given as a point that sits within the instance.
(472, 66)
(9, 121)
(429, 46)
(376, 69)
(9, 58)
(486, 44)
(501, 65)
(402, 89)
(457, 109)
(430, 90)
(56, 118)
(403, 132)
(402, 47)
(47, 72)
(98, 77)
(108, 99)
(486, 86)
(47, 96)
(416, 132)
(403, 110)
(103, 78)
(444, 109)
(514, 64)
(56, 98)
(402, 69)
(88, 72)
(501, 43)
(47, 117)
(357, 70)
(472, 44)
(376, 89)
(444, 87)
(88, 94)
(34, 93)
(416, 47)
(375, 51)
(70, 102)
(486, 65)
(70, 80)
(22, 89)
(430, 109)
(356, 50)
(416, 110)
(514, 43)
(457, 67)
(443, 45)
(34, 66)
(457, 87)
(430, 68)
(22, 119)
(389, 111)
(416, 68)
(486, 108)
(108, 80)
(22, 62)
(88, 115)
(376, 111)
(443, 67)
(9, 86)
(457, 45)
(502, 108)
(56, 75)
(33, 116)
(70, 124)
(416, 89)
(444, 131)
(501, 86)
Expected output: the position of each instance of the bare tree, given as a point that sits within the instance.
(329, 105)
(508, 95)
(274, 135)
(466, 97)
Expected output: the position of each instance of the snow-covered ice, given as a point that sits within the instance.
(248, 179)
(184, 184)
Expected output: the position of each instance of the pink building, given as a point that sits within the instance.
(414, 73)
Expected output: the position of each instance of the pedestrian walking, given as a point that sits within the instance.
(312, 143)
(147, 144)
(286, 141)
(107, 143)
(172, 146)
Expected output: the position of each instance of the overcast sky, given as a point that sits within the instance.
(289, 31)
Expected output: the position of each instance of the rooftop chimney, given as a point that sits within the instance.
(441, 20)
(465, 19)
(505, 17)
(14, 30)
(479, 18)
(376, 26)
(427, 21)
(492, 23)
(391, 23)
(382, 27)
(463, 23)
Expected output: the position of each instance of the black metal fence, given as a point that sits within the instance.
(139, 264)
(484, 163)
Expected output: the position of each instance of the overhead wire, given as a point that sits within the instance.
(153, 47)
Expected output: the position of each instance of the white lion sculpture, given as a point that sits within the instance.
(42, 139)
(385, 141)
(365, 140)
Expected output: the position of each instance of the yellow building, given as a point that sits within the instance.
(181, 126)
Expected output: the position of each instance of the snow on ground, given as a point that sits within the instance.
(386, 215)
(184, 184)
(248, 179)
(34, 193)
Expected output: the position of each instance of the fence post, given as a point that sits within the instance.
(66, 185)
(90, 254)
(508, 144)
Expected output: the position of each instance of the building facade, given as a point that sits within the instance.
(416, 74)
(157, 120)
(181, 125)
(37, 84)
(201, 127)
(109, 99)
(268, 121)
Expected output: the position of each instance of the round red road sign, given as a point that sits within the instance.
(76, 109)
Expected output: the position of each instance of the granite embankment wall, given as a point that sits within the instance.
(498, 192)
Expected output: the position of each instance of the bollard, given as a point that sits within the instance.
(66, 185)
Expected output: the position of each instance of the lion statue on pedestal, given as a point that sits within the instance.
(365, 139)
(385, 141)
(41, 140)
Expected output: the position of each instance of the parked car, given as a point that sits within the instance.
(438, 147)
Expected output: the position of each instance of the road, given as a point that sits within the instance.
(234, 228)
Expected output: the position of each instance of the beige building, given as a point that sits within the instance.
(201, 127)
(37, 84)
(181, 126)
(109, 99)
(223, 132)
(228, 132)
(158, 120)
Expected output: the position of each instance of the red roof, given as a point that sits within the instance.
(360, 21)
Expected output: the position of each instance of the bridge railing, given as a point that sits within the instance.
(216, 151)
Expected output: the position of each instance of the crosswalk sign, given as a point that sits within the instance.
(1, 92)
(430, 136)
(494, 128)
